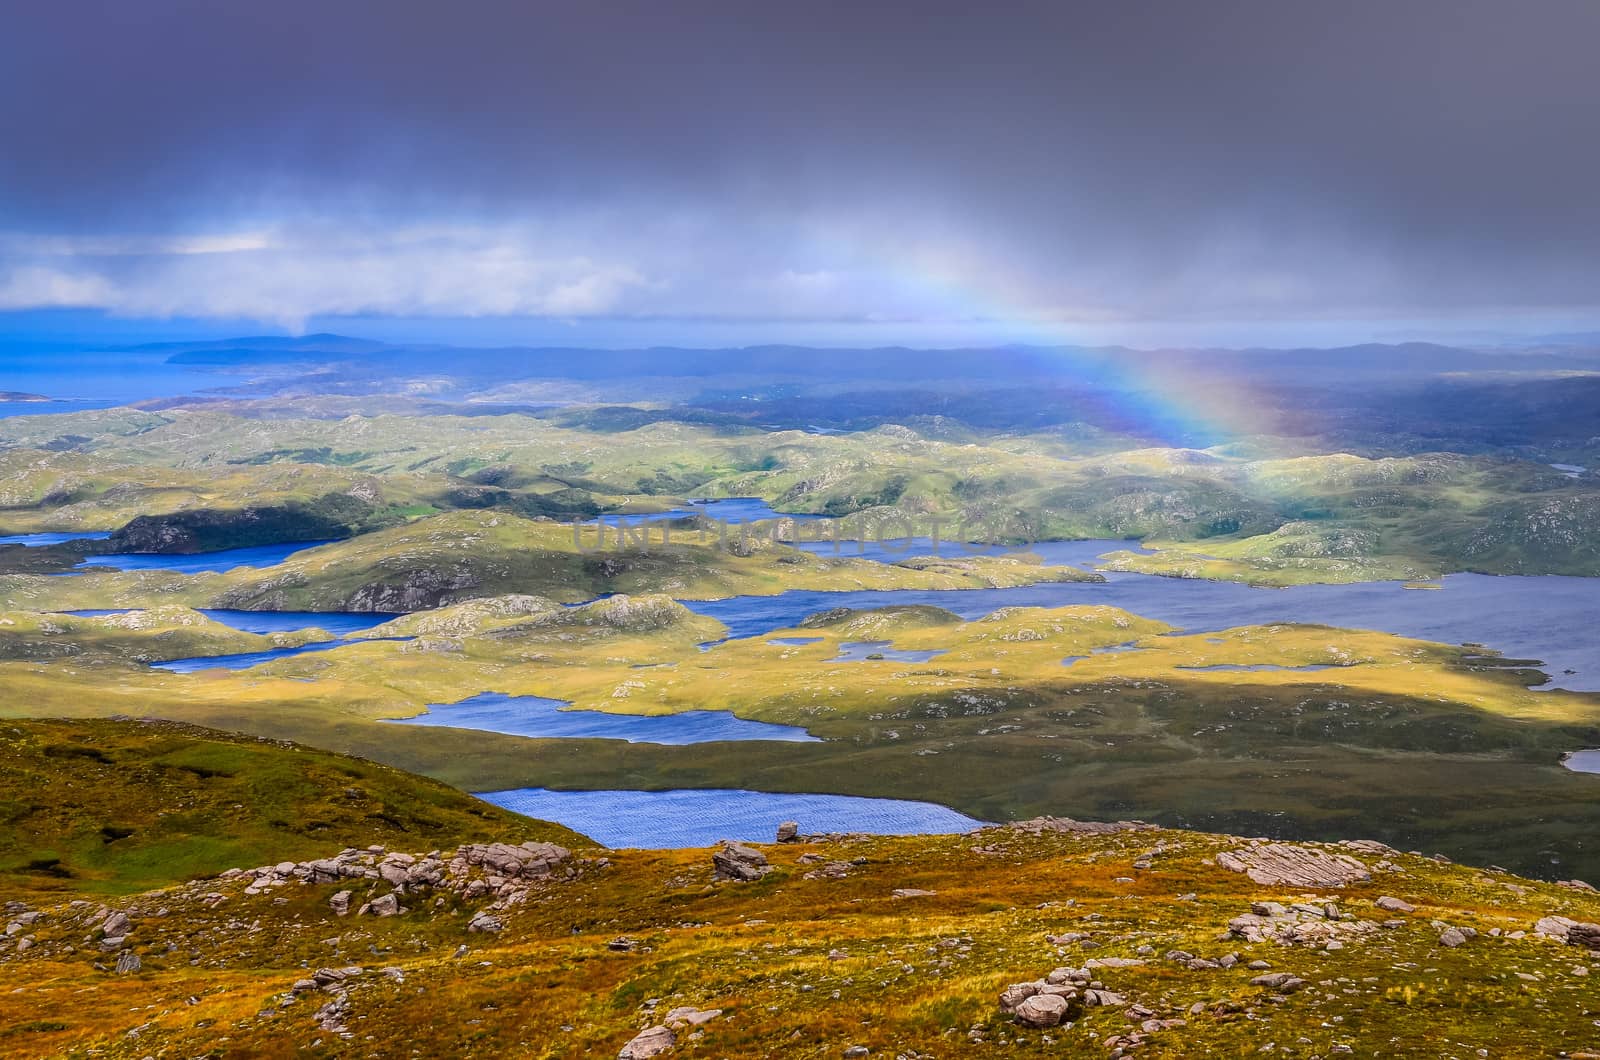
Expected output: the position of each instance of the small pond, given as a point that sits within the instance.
(544, 718)
(700, 818)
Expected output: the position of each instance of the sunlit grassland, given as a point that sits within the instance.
(1400, 739)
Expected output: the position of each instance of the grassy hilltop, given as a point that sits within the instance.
(108, 807)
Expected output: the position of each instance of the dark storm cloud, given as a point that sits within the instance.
(1131, 159)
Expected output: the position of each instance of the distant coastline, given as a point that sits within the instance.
(20, 396)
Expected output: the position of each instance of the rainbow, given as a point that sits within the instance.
(1158, 394)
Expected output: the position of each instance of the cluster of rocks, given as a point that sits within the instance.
(1317, 923)
(655, 1040)
(477, 870)
(106, 930)
(826, 870)
(1293, 865)
(1196, 963)
(336, 983)
(1049, 1002)
(19, 918)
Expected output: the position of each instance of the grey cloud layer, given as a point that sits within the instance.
(1157, 159)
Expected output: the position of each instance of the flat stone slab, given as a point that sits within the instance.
(1289, 865)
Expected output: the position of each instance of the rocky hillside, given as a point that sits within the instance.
(1049, 937)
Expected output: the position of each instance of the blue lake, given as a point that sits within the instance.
(245, 660)
(203, 562)
(889, 549)
(727, 509)
(338, 623)
(39, 540)
(540, 717)
(702, 817)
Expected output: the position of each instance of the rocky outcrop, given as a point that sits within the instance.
(734, 861)
(501, 871)
(418, 590)
(1292, 865)
(334, 516)
(1565, 929)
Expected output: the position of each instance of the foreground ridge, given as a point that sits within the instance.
(1050, 936)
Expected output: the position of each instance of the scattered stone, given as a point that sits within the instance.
(128, 962)
(912, 892)
(788, 832)
(116, 925)
(1304, 923)
(1281, 982)
(1394, 905)
(1452, 937)
(384, 905)
(340, 903)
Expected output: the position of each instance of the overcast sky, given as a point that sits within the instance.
(1143, 171)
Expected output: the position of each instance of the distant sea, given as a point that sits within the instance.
(95, 379)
